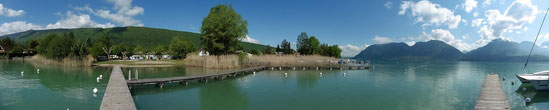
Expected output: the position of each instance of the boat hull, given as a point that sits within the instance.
(540, 84)
(523, 80)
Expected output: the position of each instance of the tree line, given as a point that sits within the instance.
(62, 46)
(306, 45)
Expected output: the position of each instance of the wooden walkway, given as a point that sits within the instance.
(117, 96)
(185, 79)
(492, 96)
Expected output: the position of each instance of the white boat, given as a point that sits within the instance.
(523, 77)
(540, 80)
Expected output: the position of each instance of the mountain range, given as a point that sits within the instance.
(496, 50)
(433, 49)
(147, 37)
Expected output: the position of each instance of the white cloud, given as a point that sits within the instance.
(469, 5)
(475, 14)
(446, 36)
(430, 14)
(465, 37)
(351, 50)
(476, 22)
(10, 12)
(249, 39)
(388, 4)
(77, 21)
(124, 12)
(17, 26)
(410, 43)
(486, 2)
(382, 40)
(514, 18)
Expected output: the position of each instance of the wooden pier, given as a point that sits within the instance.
(117, 96)
(492, 96)
(185, 79)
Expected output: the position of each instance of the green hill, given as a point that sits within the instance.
(149, 38)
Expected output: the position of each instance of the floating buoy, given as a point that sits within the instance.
(320, 73)
(527, 99)
(22, 73)
(37, 70)
(524, 89)
(503, 78)
(101, 76)
(344, 74)
(513, 83)
(68, 108)
(94, 90)
(97, 79)
(285, 74)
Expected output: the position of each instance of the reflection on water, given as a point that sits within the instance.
(537, 97)
(406, 85)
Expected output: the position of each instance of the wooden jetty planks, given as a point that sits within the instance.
(117, 96)
(186, 78)
(492, 96)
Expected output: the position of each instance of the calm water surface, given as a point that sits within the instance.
(54, 88)
(389, 85)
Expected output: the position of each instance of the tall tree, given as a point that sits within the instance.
(7, 43)
(313, 45)
(301, 39)
(106, 45)
(286, 47)
(269, 50)
(180, 48)
(221, 30)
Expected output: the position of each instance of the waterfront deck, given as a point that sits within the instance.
(492, 96)
(185, 79)
(117, 96)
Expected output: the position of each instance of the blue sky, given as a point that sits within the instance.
(351, 24)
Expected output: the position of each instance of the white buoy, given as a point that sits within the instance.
(37, 70)
(22, 73)
(94, 90)
(286, 74)
(101, 76)
(97, 79)
(527, 99)
(320, 73)
(524, 89)
(344, 74)
(68, 108)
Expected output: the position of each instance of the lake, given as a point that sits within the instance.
(387, 85)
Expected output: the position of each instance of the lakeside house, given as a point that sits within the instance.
(136, 57)
(114, 57)
(203, 52)
(1, 49)
(150, 57)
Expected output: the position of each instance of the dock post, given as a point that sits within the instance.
(130, 75)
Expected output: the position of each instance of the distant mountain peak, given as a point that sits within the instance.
(432, 49)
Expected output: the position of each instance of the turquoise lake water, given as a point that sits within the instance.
(388, 85)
